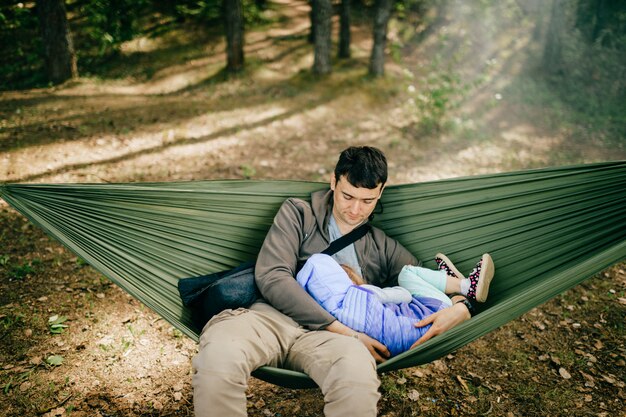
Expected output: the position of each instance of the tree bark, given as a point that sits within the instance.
(552, 57)
(323, 13)
(233, 22)
(381, 22)
(59, 55)
(601, 17)
(344, 30)
(311, 38)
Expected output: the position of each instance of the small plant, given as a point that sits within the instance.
(9, 321)
(56, 325)
(4, 260)
(247, 171)
(81, 262)
(54, 360)
(20, 272)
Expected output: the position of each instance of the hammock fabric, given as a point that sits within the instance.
(547, 230)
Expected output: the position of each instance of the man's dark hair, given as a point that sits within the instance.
(363, 166)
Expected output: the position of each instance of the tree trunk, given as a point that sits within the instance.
(233, 19)
(311, 38)
(59, 55)
(601, 17)
(552, 57)
(321, 64)
(344, 30)
(381, 21)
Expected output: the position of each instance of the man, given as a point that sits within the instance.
(288, 328)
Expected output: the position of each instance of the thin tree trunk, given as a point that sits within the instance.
(233, 19)
(381, 22)
(311, 38)
(321, 63)
(344, 30)
(601, 17)
(59, 55)
(552, 56)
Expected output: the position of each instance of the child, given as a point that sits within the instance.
(389, 314)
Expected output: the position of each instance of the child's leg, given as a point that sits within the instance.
(420, 287)
(438, 279)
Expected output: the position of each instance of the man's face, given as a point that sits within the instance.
(352, 205)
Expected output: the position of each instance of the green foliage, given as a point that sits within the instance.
(210, 11)
(591, 76)
(55, 323)
(20, 47)
(11, 320)
(19, 272)
(55, 360)
(109, 23)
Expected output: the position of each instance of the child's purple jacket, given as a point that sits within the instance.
(356, 307)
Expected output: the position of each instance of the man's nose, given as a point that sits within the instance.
(354, 207)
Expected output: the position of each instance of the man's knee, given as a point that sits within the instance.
(334, 360)
(351, 385)
(356, 367)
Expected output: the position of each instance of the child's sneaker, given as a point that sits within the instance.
(445, 264)
(480, 278)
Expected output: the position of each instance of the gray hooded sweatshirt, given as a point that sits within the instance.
(300, 229)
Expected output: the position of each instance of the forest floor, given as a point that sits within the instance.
(74, 344)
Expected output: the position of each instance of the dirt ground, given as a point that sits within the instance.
(74, 344)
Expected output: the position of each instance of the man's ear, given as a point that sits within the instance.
(333, 181)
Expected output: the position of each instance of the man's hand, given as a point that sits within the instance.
(441, 321)
(377, 349)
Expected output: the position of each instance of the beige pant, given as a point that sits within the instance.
(236, 342)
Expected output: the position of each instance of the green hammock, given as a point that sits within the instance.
(547, 229)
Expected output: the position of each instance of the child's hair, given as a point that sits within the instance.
(354, 277)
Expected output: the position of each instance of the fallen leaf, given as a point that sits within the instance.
(539, 325)
(58, 411)
(401, 381)
(609, 379)
(413, 395)
(463, 383)
(564, 373)
(589, 380)
(55, 360)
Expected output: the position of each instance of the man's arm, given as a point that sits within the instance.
(442, 321)
(276, 267)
